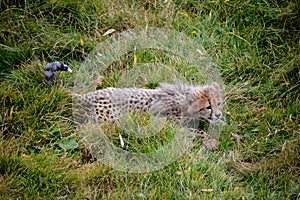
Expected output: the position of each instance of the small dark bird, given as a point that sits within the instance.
(51, 68)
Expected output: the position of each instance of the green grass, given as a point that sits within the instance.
(255, 45)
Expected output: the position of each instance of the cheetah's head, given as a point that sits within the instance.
(205, 102)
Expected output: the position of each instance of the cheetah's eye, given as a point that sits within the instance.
(208, 107)
(219, 105)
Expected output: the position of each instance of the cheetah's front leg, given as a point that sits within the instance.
(209, 142)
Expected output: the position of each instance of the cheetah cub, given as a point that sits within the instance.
(185, 104)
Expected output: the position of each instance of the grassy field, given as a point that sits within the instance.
(255, 45)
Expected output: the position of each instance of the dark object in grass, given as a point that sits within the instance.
(51, 68)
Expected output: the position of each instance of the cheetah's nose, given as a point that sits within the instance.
(218, 115)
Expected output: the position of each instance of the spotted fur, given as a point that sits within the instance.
(180, 102)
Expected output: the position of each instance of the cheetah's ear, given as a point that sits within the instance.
(216, 85)
(189, 96)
